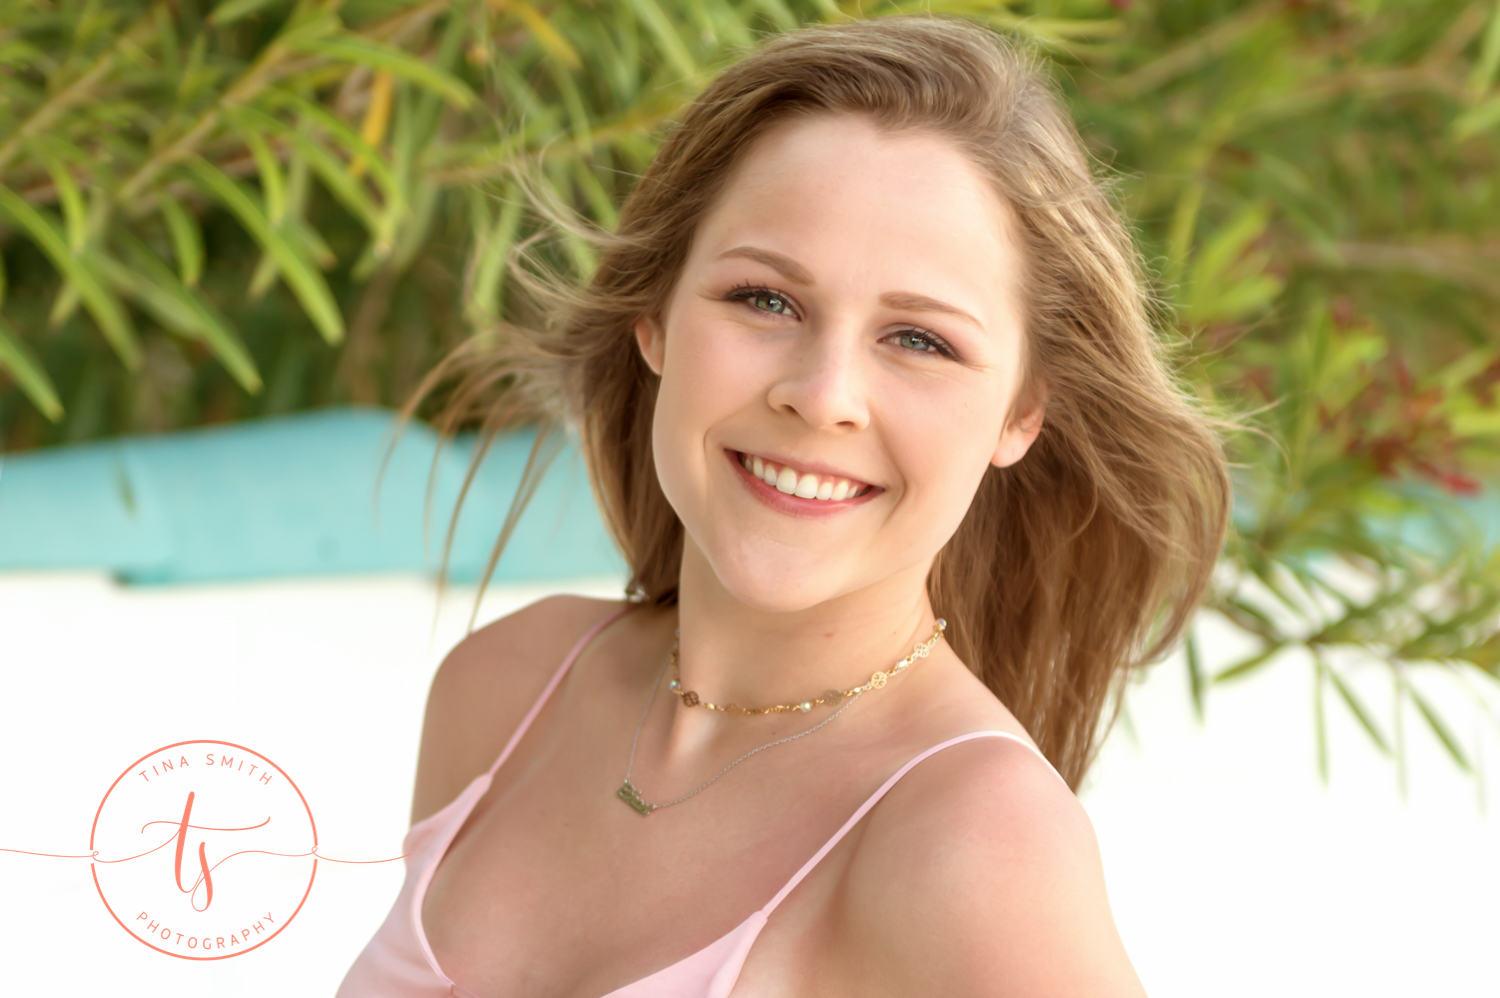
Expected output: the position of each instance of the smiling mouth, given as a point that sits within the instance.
(803, 484)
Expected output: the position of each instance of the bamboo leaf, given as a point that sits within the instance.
(778, 13)
(75, 216)
(339, 180)
(1320, 719)
(1478, 118)
(484, 303)
(64, 305)
(185, 311)
(1247, 665)
(232, 10)
(1440, 728)
(187, 241)
(672, 46)
(1197, 681)
(261, 278)
(272, 185)
(29, 374)
(1359, 710)
(1489, 56)
(377, 117)
(353, 143)
(113, 321)
(306, 283)
(546, 35)
(377, 55)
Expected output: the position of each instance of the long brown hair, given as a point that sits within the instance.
(1081, 561)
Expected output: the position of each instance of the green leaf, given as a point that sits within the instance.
(306, 283)
(546, 35)
(355, 147)
(1197, 681)
(187, 241)
(1247, 665)
(1359, 710)
(113, 320)
(74, 213)
(1489, 56)
(1320, 719)
(490, 253)
(1477, 119)
(182, 309)
(1440, 728)
(232, 10)
(661, 28)
(1224, 284)
(272, 184)
(337, 178)
(30, 377)
(365, 52)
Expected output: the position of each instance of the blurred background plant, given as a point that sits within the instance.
(213, 211)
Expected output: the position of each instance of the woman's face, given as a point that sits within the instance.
(848, 323)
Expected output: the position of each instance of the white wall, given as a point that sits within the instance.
(1232, 870)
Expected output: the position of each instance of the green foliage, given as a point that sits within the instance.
(212, 211)
(1318, 185)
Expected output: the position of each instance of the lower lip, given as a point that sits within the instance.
(794, 505)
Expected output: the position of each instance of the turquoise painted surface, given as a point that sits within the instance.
(292, 496)
(298, 495)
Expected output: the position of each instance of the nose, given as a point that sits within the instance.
(823, 381)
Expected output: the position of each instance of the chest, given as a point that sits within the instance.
(554, 886)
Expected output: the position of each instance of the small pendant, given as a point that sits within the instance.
(632, 796)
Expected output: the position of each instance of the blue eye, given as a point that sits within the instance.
(770, 303)
(922, 341)
(762, 299)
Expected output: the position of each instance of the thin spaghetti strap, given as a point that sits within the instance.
(562, 670)
(875, 799)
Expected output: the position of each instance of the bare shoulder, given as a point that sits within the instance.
(484, 687)
(980, 874)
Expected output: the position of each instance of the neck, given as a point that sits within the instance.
(733, 652)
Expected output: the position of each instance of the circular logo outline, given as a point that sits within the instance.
(94, 867)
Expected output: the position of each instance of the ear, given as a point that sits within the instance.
(1021, 431)
(649, 337)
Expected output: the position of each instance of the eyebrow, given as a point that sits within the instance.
(784, 265)
(909, 302)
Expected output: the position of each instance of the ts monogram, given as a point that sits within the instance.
(242, 858)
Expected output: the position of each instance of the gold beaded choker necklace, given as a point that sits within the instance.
(829, 697)
(632, 797)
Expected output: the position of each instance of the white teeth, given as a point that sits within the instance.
(804, 485)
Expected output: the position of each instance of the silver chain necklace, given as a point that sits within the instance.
(630, 795)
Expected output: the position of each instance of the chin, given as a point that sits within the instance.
(776, 585)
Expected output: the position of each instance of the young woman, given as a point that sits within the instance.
(872, 406)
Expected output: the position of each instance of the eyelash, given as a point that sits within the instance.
(746, 292)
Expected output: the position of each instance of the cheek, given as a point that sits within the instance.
(942, 440)
(709, 374)
(714, 369)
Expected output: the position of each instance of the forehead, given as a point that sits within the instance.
(907, 209)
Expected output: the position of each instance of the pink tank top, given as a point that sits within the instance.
(398, 962)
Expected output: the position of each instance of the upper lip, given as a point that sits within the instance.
(815, 467)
